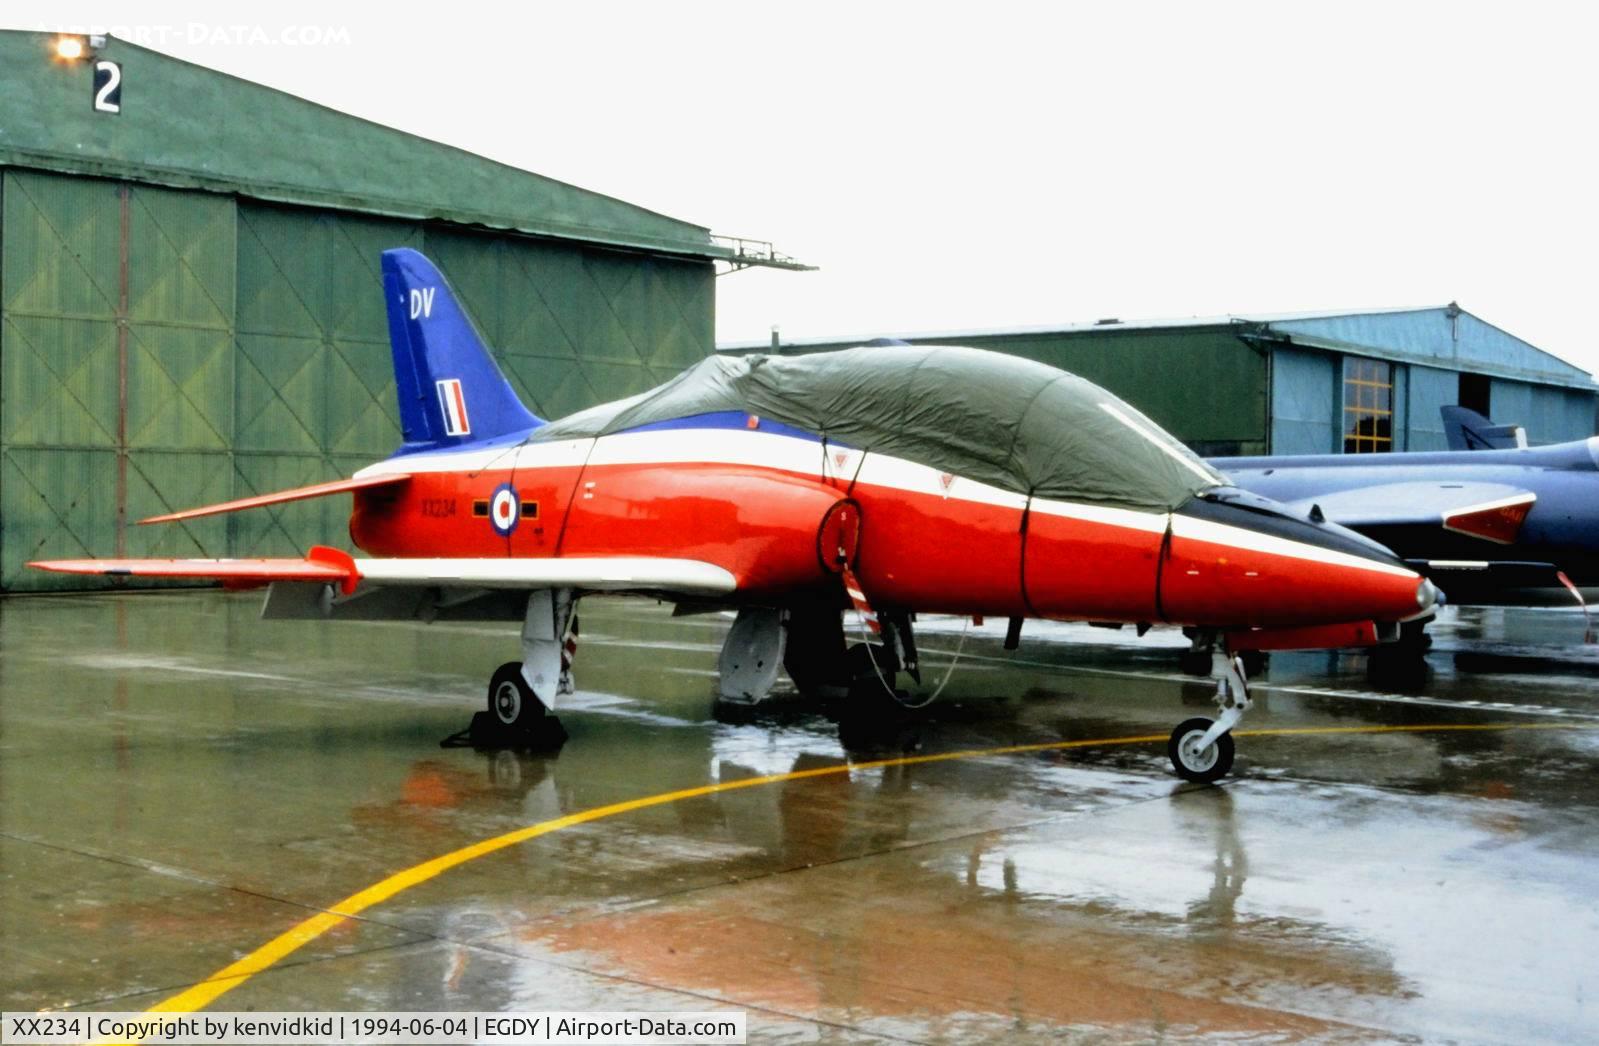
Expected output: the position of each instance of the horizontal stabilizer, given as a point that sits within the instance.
(318, 490)
(322, 564)
(587, 573)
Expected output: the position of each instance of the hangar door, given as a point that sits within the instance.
(313, 391)
(116, 306)
(161, 349)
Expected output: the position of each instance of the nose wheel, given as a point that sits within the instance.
(1192, 758)
(1201, 750)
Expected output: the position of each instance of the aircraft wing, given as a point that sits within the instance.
(1493, 511)
(590, 573)
(1514, 583)
(245, 572)
(330, 566)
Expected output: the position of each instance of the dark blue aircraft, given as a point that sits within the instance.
(1505, 526)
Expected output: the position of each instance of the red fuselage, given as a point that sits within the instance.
(776, 510)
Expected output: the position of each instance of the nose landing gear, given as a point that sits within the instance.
(1200, 749)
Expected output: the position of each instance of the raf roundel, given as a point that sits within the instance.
(504, 508)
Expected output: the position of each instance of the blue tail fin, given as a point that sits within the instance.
(451, 392)
(1465, 429)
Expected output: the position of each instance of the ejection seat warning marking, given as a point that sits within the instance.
(303, 933)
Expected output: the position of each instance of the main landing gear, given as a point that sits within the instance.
(1202, 749)
(512, 701)
(523, 693)
(808, 642)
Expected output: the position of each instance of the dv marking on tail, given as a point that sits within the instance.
(422, 302)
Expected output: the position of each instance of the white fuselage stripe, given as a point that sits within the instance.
(791, 454)
(1256, 541)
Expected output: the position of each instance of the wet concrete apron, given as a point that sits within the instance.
(180, 784)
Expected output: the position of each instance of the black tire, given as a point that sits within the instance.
(873, 669)
(1397, 668)
(511, 701)
(1195, 662)
(814, 655)
(1211, 765)
(1255, 662)
(1413, 637)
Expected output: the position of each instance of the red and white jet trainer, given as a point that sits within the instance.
(934, 479)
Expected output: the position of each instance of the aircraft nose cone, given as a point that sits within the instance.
(1255, 563)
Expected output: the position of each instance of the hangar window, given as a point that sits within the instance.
(1368, 405)
(1475, 394)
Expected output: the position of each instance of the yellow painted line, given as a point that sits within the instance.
(303, 933)
(1422, 728)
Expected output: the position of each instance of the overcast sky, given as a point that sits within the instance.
(998, 165)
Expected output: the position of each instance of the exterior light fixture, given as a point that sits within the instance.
(70, 47)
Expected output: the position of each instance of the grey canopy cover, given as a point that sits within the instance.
(1009, 422)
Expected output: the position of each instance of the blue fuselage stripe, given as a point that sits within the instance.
(728, 419)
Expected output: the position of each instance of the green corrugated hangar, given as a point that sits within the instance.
(1355, 382)
(191, 307)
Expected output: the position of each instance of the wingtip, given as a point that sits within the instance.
(66, 566)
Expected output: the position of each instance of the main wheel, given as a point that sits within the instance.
(873, 669)
(1195, 764)
(814, 655)
(511, 701)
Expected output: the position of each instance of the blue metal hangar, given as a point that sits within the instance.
(1351, 382)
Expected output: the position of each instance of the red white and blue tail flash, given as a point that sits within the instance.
(453, 406)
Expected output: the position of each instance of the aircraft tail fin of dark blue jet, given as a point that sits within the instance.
(451, 392)
(1465, 429)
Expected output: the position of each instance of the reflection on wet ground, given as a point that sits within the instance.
(179, 783)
